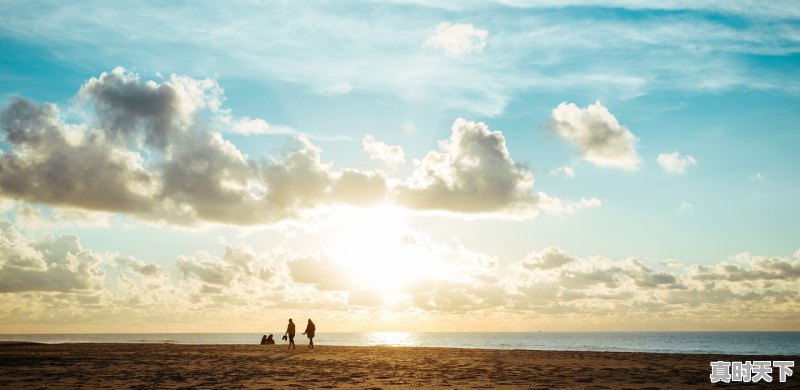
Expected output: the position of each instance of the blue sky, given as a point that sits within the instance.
(653, 147)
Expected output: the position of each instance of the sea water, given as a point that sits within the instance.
(743, 343)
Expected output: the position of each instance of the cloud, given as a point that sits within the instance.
(370, 50)
(596, 135)
(457, 40)
(674, 163)
(237, 264)
(32, 217)
(750, 268)
(126, 107)
(563, 171)
(170, 165)
(56, 283)
(148, 270)
(147, 150)
(672, 263)
(360, 188)
(685, 205)
(48, 264)
(547, 259)
(473, 172)
(53, 163)
(391, 155)
(321, 271)
(251, 126)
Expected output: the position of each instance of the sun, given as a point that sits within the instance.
(374, 248)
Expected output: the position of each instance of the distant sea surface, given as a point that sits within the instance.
(743, 343)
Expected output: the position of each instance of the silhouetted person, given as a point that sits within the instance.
(310, 330)
(290, 333)
(267, 340)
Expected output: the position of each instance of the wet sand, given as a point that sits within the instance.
(172, 366)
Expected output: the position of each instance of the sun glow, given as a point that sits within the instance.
(378, 252)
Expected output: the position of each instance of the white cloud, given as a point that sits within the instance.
(557, 206)
(52, 282)
(251, 126)
(148, 270)
(675, 163)
(47, 264)
(546, 259)
(748, 267)
(458, 39)
(596, 135)
(684, 205)
(563, 171)
(147, 151)
(473, 172)
(321, 271)
(377, 150)
(672, 263)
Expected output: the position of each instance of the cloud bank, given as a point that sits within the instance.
(149, 149)
(146, 151)
(47, 280)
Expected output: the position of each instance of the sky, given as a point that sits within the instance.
(401, 165)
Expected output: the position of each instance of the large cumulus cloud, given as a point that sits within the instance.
(154, 150)
(54, 163)
(474, 173)
(147, 149)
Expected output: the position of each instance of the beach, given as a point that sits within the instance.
(145, 366)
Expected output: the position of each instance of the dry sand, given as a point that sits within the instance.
(147, 366)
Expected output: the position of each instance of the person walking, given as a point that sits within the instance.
(290, 333)
(310, 330)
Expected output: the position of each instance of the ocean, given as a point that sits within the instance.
(742, 343)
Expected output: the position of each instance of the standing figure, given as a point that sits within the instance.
(310, 330)
(290, 333)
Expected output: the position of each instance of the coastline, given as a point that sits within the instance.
(119, 365)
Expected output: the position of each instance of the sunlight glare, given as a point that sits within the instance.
(372, 246)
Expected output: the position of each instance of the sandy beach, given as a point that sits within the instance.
(146, 366)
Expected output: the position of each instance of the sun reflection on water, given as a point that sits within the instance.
(392, 339)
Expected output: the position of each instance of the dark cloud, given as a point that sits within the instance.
(127, 107)
(43, 165)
